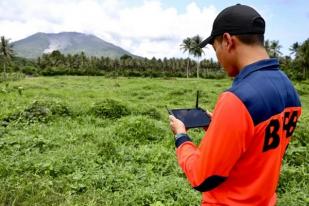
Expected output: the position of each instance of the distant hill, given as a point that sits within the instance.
(67, 43)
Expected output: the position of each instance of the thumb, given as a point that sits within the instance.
(209, 113)
(172, 117)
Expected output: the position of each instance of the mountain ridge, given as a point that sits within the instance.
(39, 43)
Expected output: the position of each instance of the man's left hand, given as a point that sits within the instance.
(177, 126)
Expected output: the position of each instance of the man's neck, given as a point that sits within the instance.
(249, 55)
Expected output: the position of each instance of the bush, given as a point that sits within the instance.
(12, 77)
(214, 75)
(52, 71)
(139, 129)
(151, 112)
(30, 70)
(38, 111)
(109, 108)
(302, 89)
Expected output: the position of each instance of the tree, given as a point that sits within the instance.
(186, 46)
(275, 49)
(6, 54)
(57, 59)
(302, 56)
(267, 46)
(125, 57)
(294, 48)
(197, 51)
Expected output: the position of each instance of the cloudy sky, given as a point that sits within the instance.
(147, 27)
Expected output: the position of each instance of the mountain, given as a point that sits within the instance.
(67, 43)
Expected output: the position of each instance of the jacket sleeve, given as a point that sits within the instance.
(208, 165)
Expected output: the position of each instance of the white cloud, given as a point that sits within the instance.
(147, 30)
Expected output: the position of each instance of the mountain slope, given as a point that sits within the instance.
(67, 43)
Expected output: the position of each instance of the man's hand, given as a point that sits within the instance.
(210, 115)
(176, 125)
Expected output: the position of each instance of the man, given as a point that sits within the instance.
(238, 161)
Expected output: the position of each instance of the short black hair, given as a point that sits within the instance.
(249, 39)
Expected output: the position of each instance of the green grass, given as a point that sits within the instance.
(98, 141)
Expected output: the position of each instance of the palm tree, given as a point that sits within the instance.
(267, 46)
(6, 54)
(294, 48)
(303, 56)
(186, 47)
(275, 49)
(197, 51)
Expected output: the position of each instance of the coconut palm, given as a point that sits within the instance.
(6, 54)
(302, 55)
(197, 51)
(294, 48)
(275, 49)
(186, 47)
(267, 46)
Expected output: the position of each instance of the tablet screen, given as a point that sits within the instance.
(192, 118)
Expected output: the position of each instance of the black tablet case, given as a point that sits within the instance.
(192, 118)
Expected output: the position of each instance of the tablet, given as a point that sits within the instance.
(192, 118)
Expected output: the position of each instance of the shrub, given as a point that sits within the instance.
(12, 77)
(302, 89)
(30, 70)
(107, 149)
(151, 112)
(139, 129)
(214, 75)
(38, 111)
(109, 108)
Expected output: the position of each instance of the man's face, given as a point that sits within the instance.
(225, 55)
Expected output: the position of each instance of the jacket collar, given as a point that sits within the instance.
(266, 64)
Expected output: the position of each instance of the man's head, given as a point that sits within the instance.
(237, 28)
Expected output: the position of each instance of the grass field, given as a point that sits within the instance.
(98, 141)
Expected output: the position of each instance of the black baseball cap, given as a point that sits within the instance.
(236, 20)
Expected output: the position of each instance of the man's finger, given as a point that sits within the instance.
(172, 117)
(209, 113)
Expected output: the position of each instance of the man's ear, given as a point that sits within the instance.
(228, 41)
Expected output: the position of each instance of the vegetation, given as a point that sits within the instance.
(56, 63)
(273, 48)
(186, 47)
(295, 68)
(192, 46)
(6, 54)
(101, 141)
(71, 140)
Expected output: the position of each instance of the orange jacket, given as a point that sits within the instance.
(238, 161)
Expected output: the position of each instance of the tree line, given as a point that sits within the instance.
(55, 63)
(297, 67)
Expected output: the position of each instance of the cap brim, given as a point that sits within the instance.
(209, 40)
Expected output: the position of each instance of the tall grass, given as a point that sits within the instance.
(98, 141)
